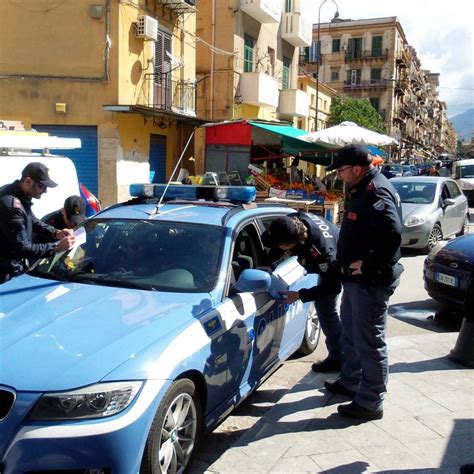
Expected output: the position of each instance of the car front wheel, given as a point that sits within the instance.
(174, 432)
(436, 236)
(312, 333)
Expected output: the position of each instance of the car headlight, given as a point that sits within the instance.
(95, 401)
(415, 219)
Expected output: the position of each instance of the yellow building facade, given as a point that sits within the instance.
(120, 75)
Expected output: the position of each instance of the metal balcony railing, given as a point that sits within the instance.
(372, 54)
(360, 84)
(171, 95)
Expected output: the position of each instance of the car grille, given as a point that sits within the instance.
(6, 402)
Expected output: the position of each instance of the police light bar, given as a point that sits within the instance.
(235, 194)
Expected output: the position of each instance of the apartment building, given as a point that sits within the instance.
(119, 74)
(247, 59)
(371, 59)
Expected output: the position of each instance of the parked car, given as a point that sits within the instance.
(396, 169)
(433, 209)
(463, 173)
(449, 272)
(117, 354)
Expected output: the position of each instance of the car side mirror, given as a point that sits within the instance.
(251, 280)
(449, 202)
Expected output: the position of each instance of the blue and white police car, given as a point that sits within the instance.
(118, 354)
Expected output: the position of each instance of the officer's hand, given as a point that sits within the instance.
(290, 296)
(60, 234)
(356, 267)
(65, 243)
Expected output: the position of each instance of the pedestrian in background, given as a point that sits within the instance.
(19, 226)
(314, 241)
(71, 214)
(368, 252)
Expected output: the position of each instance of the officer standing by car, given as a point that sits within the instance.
(313, 240)
(18, 224)
(368, 252)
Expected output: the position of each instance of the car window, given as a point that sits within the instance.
(445, 192)
(150, 255)
(415, 193)
(466, 171)
(453, 188)
(248, 251)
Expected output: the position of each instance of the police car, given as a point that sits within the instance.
(118, 355)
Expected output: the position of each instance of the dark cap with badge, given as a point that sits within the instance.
(75, 209)
(351, 155)
(281, 231)
(38, 172)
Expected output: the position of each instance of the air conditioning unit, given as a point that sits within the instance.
(147, 27)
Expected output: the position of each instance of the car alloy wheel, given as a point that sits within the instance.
(436, 236)
(174, 432)
(312, 333)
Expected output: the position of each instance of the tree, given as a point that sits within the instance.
(359, 111)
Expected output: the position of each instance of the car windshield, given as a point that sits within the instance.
(467, 171)
(415, 192)
(396, 168)
(150, 255)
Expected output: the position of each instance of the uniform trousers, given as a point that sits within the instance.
(326, 308)
(365, 361)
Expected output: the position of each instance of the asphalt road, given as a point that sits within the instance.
(411, 312)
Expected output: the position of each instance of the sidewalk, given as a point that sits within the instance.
(428, 423)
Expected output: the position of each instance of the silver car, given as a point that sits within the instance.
(433, 208)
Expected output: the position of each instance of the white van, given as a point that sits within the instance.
(15, 154)
(463, 173)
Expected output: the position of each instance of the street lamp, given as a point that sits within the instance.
(319, 57)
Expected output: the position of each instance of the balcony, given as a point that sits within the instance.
(359, 84)
(264, 11)
(257, 88)
(294, 102)
(170, 95)
(296, 30)
(180, 6)
(366, 55)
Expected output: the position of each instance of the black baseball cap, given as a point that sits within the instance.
(75, 208)
(38, 172)
(351, 155)
(281, 231)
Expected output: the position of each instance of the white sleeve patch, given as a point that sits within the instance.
(379, 205)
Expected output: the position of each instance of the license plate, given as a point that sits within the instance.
(446, 279)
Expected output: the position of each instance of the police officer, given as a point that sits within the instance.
(368, 252)
(313, 240)
(17, 223)
(71, 214)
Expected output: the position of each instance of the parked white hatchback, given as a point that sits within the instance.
(433, 208)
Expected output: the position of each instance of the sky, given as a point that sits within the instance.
(441, 31)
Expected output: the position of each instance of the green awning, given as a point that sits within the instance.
(292, 145)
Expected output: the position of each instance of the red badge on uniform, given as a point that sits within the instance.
(370, 186)
(352, 216)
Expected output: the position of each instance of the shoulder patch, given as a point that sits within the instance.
(371, 186)
(379, 205)
(16, 203)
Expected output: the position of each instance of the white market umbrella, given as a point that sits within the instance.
(346, 133)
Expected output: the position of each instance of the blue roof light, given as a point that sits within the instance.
(235, 194)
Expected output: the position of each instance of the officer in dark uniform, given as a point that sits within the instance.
(314, 241)
(368, 252)
(18, 223)
(71, 214)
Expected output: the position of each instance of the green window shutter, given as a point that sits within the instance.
(336, 45)
(377, 45)
(286, 73)
(249, 44)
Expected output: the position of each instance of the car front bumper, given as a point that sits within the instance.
(415, 237)
(110, 445)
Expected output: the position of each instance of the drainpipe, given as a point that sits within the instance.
(213, 39)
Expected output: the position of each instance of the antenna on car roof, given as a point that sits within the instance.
(157, 208)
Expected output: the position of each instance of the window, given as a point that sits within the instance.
(454, 190)
(162, 68)
(288, 6)
(249, 45)
(375, 102)
(377, 46)
(286, 79)
(336, 45)
(354, 76)
(375, 75)
(334, 75)
(354, 48)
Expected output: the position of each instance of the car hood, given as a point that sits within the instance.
(56, 335)
(460, 250)
(409, 209)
